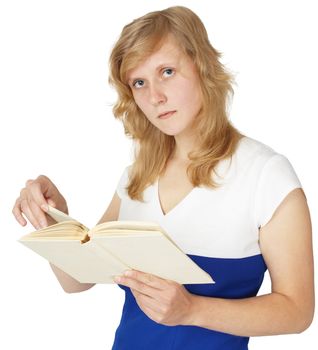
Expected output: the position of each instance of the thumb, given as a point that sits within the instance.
(51, 203)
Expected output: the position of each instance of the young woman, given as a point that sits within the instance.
(233, 204)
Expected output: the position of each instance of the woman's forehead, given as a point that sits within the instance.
(168, 53)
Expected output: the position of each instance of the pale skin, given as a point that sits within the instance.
(285, 241)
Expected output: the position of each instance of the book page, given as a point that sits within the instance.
(125, 226)
(128, 227)
(60, 230)
(84, 262)
(58, 215)
(155, 254)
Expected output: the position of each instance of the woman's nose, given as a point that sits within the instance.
(157, 95)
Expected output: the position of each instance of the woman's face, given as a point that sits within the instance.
(166, 88)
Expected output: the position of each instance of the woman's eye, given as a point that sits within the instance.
(138, 83)
(168, 72)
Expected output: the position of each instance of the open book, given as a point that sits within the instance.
(110, 248)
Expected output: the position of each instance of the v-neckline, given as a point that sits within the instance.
(180, 203)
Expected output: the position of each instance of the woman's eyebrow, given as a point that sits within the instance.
(158, 68)
(168, 64)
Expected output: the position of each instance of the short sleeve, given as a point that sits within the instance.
(122, 184)
(277, 179)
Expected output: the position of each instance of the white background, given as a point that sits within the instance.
(56, 119)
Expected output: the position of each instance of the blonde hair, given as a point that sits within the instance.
(217, 137)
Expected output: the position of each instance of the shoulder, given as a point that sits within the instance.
(255, 157)
(269, 175)
(249, 149)
(249, 158)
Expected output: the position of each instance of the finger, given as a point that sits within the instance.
(154, 315)
(36, 190)
(39, 214)
(28, 182)
(25, 208)
(137, 285)
(145, 301)
(37, 202)
(16, 211)
(147, 278)
(48, 189)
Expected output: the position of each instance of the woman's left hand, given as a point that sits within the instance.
(164, 301)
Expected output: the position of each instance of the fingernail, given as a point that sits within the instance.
(43, 224)
(128, 273)
(21, 222)
(44, 207)
(51, 203)
(117, 279)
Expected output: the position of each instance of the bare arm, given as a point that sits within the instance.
(286, 245)
(68, 283)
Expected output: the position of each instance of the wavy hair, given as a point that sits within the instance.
(217, 138)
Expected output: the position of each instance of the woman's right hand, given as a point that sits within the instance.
(33, 201)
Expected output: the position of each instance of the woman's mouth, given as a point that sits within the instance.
(166, 115)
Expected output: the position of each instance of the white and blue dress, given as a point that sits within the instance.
(219, 230)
